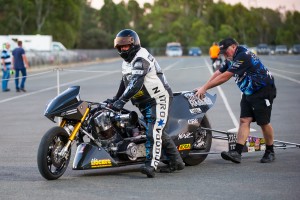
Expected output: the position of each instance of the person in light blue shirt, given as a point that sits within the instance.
(6, 66)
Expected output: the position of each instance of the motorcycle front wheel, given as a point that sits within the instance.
(50, 163)
(192, 160)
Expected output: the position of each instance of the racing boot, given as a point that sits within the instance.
(172, 166)
(148, 170)
(172, 153)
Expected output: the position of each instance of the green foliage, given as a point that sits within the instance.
(290, 30)
(113, 17)
(61, 19)
(191, 22)
(64, 21)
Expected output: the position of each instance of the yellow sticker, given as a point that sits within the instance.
(139, 94)
(184, 147)
(100, 163)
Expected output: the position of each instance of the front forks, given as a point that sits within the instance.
(72, 136)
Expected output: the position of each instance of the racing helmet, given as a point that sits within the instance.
(124, 37)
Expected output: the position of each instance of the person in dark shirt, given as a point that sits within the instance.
(20, 63)
(257, 85)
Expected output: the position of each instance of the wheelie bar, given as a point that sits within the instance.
(252, 143)
(231, 137)
(284, 145)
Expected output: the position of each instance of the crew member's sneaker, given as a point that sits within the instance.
(148, 170)
(268, 157)
(233, 156)
(171, 167)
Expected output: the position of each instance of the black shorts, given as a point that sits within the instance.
(259, 105)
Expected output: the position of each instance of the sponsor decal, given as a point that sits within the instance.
(255, 59)
(139, 94)
(150, 57)
(95, 163)
(139, 72)
(69, 112)
(183, 147)
(193, 121)
(237, 63)
(162, 112)
(137, 64)
(185, 135)
(232, 139)
(128, 77)
(241, 78)
(156, 90)
(194, 101)
(254, 144)
(251, 149)
(161, 122)
(195, 111)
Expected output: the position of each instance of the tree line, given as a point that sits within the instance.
(191, 22)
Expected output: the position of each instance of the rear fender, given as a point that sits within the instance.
(187, 112)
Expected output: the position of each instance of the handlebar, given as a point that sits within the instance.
(106, 106)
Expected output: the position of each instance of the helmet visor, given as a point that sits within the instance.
(119, 41)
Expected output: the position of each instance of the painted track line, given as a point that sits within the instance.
(55, 87)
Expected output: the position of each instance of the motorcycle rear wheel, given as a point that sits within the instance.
(50, 164)
(192, 160)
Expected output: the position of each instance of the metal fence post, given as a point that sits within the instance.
(58, 90)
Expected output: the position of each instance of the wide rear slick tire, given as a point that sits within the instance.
(50, 164)
(192, 160)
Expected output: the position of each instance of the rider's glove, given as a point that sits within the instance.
(118, 105)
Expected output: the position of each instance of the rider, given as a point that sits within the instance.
(144, 83)
(214, 52)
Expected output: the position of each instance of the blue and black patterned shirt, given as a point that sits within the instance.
(251, 75)
(5, 54)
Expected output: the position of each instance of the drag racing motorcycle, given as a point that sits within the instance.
(107, 138)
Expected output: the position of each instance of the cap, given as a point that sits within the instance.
(224, 44)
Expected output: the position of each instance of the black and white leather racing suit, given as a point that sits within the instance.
(145, 85)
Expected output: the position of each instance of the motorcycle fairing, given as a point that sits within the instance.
(69, 98)
(187, 107)
(186, 114)
(89, 156)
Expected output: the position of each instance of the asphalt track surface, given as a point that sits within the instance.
(22, 125)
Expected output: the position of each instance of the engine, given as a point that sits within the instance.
(120, 134)
(103, 125)
(107, 124)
